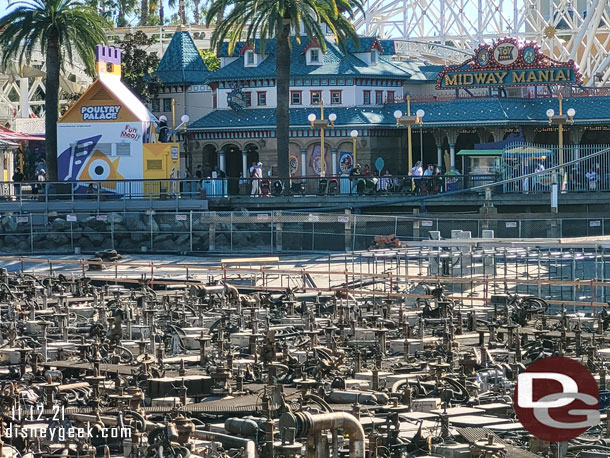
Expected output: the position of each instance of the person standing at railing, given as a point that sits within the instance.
(537, 180)
(256, 174)
(199, 177)
(41, 177)
(17, 179)
(437, 180)
(592, 179)
(416, 172)
(427, 180)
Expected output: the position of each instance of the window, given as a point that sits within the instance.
(366, 97)
(295, 97)
(167, 105)
(248, 98)
(390, 97)
(315, 97)
(123, 149)
(378, 97)
(314, 56)
(156, 105)
(374, 56)
(105, 148)
(154, 165)
(261, 98)
(335, 97)
(250, 59)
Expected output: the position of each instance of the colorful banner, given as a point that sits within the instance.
(293, 163)
(346, 162)
(314, 161)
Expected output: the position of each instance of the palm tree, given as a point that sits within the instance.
(264, 19)
(58, 28)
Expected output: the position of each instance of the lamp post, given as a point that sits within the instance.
(322, 124)
(409, 121)
(354, 135)
(560, 120)
(420, 114)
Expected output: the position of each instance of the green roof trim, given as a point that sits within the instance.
(480, 152)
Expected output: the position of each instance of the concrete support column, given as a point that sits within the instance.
(303, 162)
(416, 224)
(333, 158)
(439, 138)
(439, 155)
(576, 150)
(244, 164)
(24, 87)
(452, 135)
(452, 155)
(222, 161)
(348, 230)
(278, 233)
(212, 232)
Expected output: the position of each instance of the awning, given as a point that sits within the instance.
(12, 136)
(5, 144)
(528, 151)
(480, 152)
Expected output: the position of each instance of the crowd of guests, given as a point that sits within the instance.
(419, 181)
(37, 182)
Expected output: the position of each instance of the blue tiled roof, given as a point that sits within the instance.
(462, 112)
(387, 46)
(182, 63)
(334, 63)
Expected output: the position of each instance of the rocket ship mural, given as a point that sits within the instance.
(85, 162)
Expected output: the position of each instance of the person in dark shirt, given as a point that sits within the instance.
(17, 178)
(199, 173)
(206, 171)
(219, 173)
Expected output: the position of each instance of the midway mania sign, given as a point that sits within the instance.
(508, 63)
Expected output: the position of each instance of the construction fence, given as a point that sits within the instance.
(171, 232)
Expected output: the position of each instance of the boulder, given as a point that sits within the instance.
(60, 225)
(115, 218)
(8, 224)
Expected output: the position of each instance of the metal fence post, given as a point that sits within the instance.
(354, 232)
(271, 244)
(31, 234)
(150, 223)
(231, 231)
(190, 230)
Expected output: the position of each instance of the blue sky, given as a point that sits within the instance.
(3, 6)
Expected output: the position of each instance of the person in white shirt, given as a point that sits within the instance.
(253, 180)
(417, 172)
(257, 175)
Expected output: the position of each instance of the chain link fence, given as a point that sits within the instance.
(171, 232)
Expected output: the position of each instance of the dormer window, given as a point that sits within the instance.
(250, 59)
(314, 57)
(374, 55)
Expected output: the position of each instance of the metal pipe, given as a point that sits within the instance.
(226, 440)
(345, 421)
(229, 441)
(308, 425)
